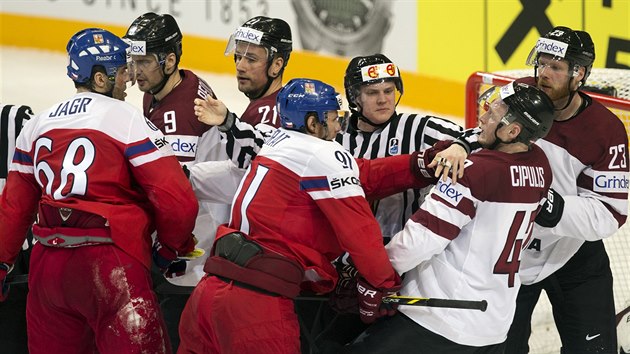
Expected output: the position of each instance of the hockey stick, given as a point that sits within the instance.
(481, 305)
(17, 279)
(433, 302)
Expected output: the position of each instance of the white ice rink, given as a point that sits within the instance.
(37, 78)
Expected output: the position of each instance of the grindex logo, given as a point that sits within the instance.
(552, 47)
(248, 35)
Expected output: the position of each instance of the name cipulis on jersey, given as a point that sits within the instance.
(527, 176)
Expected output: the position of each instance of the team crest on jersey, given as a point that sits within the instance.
(393, 146)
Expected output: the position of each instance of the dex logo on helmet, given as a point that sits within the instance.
(137, 47)
(553, 47)
(248, 35)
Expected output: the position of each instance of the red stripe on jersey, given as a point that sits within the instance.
(436, 225)
(465, 206)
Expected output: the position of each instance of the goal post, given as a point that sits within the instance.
(611, 87)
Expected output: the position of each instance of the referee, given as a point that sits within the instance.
(13, 309)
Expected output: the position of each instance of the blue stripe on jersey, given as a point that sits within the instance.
(22, 158)
(314, 183)
(144, 147)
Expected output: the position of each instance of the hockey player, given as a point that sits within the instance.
(156, 48)
(453, 246)
(587, 145)
(289, 221)
(261, 49)
(92, 168)
(13, 310)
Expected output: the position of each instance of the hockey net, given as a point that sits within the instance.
(612, 88)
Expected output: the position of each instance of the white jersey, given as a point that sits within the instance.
(465, 243)
(12, 119)
(589, 159)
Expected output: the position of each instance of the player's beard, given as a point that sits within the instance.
(554, 92)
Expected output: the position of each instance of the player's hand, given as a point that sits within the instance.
(4, 270)
(371, 306)
(344, 298)
(551, 212)
(210, 111)
(450, 160)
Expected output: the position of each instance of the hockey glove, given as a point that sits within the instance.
(422, 159)
(371, 305)
(344, 298)
(186, 171)
(166, 259)
(551, 211)
(4, 270)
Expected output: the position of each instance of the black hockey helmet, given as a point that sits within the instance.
(160, 33)
(526, 105)
(576, 47)
(367, 70)
(272, 33)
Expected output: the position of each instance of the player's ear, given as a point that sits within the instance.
(170, 65)
(99, 81)
(311, 124)
(515, 130)
(276, 66)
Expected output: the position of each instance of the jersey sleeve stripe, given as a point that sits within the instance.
(436, 225)
(22, 158)
(141, 148)
(311, 184)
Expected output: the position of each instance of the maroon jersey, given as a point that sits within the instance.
(174, 115)
(262, 114)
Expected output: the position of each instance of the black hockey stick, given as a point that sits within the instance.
(432, 302)
(481, 305)
(17, 279)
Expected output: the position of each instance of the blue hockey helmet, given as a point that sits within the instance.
(302, 96)
(91, 47)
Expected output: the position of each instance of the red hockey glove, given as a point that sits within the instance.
(371, 304)
(4, 270)
(422, 159)
(344, 298)
(551, 212)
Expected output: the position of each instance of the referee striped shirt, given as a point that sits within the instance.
(404, 134)
(12, 118)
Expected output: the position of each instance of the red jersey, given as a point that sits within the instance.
(98, 155)
(303, 197)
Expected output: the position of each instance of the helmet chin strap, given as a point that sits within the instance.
(260, 93)
(270, 79)
(160, 86)
(498, 140)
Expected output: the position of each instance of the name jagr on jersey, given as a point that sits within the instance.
(77, 105)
